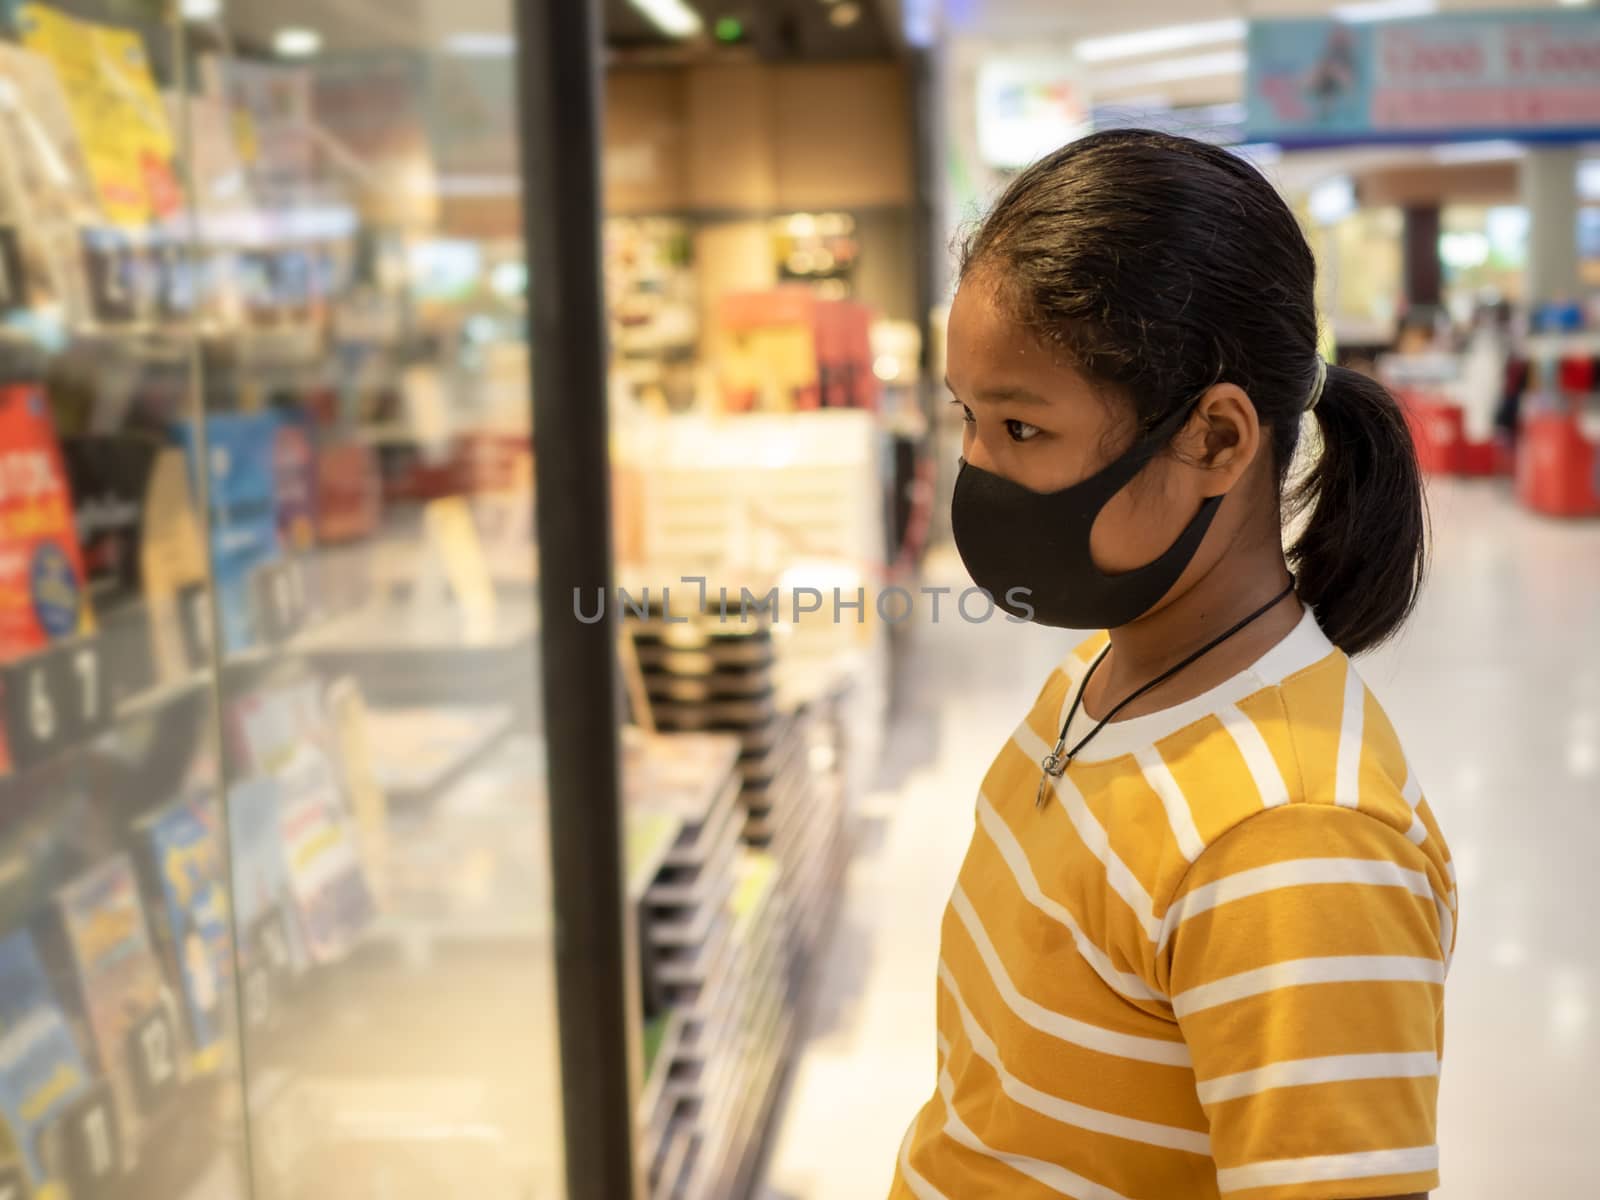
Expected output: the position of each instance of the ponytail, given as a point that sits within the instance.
(1362, 551)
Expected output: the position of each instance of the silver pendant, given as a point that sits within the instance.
(1054, 766)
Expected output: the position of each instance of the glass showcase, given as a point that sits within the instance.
(275, 912)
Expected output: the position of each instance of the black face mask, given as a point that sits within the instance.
(1030, 550)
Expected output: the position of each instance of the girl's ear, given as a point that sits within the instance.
(1222, 438)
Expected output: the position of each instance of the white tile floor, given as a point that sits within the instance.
(1495, 690)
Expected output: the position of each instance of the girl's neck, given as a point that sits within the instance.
(1227, 593)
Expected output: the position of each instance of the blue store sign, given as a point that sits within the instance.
(1528, 75)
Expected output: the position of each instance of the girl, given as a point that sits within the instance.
(1199, 942)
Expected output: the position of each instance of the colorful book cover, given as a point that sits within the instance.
(225, 206)
(50, 193)
(110, 479)
(244, 516)
(262, 898)
(116, 110)
(173, 567)
(120, 984)
(270, 109)
(294, 467)
(41, 1070)
(369, 807)
(51, 167)
(271, 723)
(186, 845)
(349, 492)
(330, 890)
(42, 592)
(287, 733)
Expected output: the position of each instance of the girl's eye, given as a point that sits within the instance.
(966, 413)
(1021, 431)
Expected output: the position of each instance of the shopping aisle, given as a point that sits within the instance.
(1495, 689)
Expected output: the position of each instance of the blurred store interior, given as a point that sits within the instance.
(409, 409)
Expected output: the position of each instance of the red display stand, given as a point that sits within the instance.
(1558, 468)
(1438, 429)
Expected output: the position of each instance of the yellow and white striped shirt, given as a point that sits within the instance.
(1212, 964)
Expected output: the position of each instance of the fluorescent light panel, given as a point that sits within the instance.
(673, 17)
(1385, 10)
(475, 44)
(1493, 150)
(296, 42)
(1161, 40)
(1589, 179)
(920, 19)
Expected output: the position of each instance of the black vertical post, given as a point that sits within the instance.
(559, 56)
(926, 127)
(1420, 253)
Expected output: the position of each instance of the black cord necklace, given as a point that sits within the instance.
(1055, 763)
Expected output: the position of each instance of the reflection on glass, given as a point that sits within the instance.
(119, 1064)
(274, 900)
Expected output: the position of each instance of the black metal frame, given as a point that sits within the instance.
(559, 57)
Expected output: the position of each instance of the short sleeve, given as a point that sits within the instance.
(1306, 953)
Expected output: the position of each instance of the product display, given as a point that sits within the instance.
(116, 112)
(269, 726)
(711, 925)
(741, 899)
(122, 994)
(241, 481)
(43, 595)
(42, 1074)
(189, 890)
(794, 350)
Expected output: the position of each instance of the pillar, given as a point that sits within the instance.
(1549, 185)
(1420, 245)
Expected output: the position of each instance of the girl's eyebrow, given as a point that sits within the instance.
(1014, 395)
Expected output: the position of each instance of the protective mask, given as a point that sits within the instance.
(1030, 550)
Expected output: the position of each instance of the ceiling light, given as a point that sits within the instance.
(1589, 179)
(921, 21)
(845, 15)
(1332, 200)
(1385, 10)
(673, 17)
(1169, 70)
(1160, 41)
(1574, 3)
(296, 42)
(200, 10)
(481, 45)
(1493, 150)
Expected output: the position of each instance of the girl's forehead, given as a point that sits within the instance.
(990, 350)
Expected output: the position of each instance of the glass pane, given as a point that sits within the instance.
(768, 405)
(367, 459)
(120, 1069)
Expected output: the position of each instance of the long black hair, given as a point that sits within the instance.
(1163, 265)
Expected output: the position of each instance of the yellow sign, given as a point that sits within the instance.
(455, 540)
(116, 109)
(348, 710)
